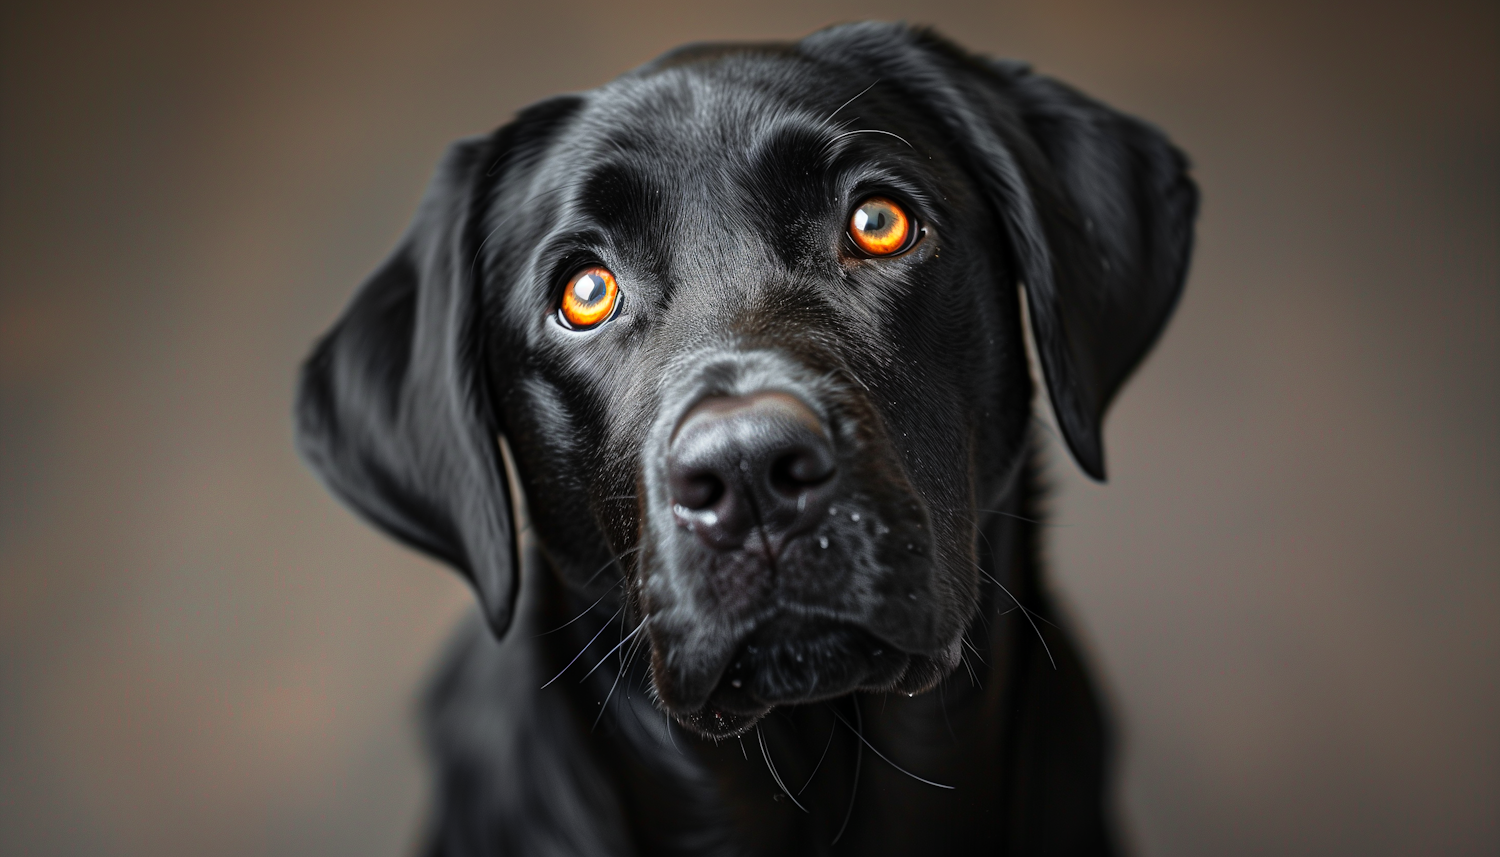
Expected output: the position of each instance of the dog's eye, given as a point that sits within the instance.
(590, 298)
(880, 227)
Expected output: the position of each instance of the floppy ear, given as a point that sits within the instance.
(393, 408)
(1104, 246)
(1098, 207)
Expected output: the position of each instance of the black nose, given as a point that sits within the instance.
(739, 462)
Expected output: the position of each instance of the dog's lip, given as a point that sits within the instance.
(787, 662)
(719, 723)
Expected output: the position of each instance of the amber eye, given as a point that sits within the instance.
(880, 227)
(590, 298)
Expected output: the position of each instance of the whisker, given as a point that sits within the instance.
(585, 648)
(972, 648)
(626, 660)
(623, 641)
(883, 757)
(986, 575)
(604, 706)
(844, 125)
(859, 756)
(630, 654)
(830, 143)
(610, 563)
(963, 658)
(850, 101)
(668, 718)
(1022, 518)
(772, 765)
(814, 773)
(586, 611)
(1044, 619)
(1039, 523)
(1026, 613)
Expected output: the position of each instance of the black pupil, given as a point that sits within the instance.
(589, 288)
(877, 219)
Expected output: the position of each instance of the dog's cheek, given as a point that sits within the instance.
(931, 588)
(551, 454)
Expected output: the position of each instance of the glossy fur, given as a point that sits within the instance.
(857, 674)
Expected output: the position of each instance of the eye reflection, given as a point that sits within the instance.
(880, 227)
(590, 298)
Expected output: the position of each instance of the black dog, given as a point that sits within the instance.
(747, 321)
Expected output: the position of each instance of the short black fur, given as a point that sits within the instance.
(861, 659)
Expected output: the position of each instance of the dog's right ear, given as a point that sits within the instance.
(393, 409)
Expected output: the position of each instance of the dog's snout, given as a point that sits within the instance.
(739, 462)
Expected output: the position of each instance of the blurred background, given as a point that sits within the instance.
(1289, 587)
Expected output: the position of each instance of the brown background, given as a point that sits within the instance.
(1290, 585)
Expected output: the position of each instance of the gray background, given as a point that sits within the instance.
(1289, 586)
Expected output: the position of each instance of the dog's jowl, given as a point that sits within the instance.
(713, 382)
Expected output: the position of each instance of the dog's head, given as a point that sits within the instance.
(748, 318)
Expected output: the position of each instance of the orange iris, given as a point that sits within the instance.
(879, 226)
(590, 297)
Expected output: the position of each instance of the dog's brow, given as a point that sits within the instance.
(623, 199)
(847, 134)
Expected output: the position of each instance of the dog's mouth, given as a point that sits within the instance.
(787, 662)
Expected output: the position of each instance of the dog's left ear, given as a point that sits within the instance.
(1097, 205)
(393, 411)
(1103, 240)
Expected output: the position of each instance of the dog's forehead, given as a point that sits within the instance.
(706, 110)
(717, 191)
(725, 148)
(701, 166)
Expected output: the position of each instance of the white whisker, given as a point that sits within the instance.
(850, 101)
(584, 649)
(814, 773)
(624, 661)
(622, 642)
(887, 760)
(586, 611)
(859, 755)
(871, 131)
(772, 765)
(1025, 612)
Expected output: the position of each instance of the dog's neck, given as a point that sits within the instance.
(875, 773)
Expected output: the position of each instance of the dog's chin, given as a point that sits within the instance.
(776, 666)
(716, 723)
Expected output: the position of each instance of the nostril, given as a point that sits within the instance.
(736, 463)
(697, 491)
(801, 469)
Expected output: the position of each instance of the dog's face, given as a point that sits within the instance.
(786, 416)
(747, 319)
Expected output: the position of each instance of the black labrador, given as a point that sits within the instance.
(744, 330)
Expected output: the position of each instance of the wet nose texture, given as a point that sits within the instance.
(737, 463)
